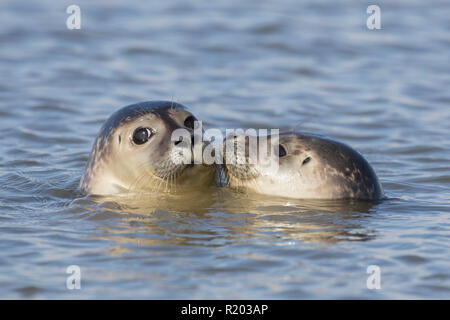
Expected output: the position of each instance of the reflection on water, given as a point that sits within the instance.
(220, 215)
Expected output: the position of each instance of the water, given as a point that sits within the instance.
(312, 65)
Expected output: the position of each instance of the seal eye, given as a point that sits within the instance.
(189, 122)
(281, 151)
(308, 159)
(141, 135)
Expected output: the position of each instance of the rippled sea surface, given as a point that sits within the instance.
(312, 65)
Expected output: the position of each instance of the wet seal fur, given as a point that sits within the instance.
(310, 167)
(118, 165)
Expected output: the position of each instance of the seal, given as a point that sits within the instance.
(134, 152)
(308, 167)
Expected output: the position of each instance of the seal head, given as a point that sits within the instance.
(134, 152)
(308, 167)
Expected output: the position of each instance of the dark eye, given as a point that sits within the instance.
(281, 151)
(141, 135)
(308, 159)
(189, 122)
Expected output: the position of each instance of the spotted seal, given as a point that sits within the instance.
(308, 167)
(134, 152)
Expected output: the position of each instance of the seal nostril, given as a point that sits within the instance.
(180, 139)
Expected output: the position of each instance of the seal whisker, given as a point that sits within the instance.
(172, 182)
(149, 176)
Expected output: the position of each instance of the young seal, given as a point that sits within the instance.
(134, 152)
(308, 167)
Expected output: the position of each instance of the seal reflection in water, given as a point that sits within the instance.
(309, 167)
(134, 152)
